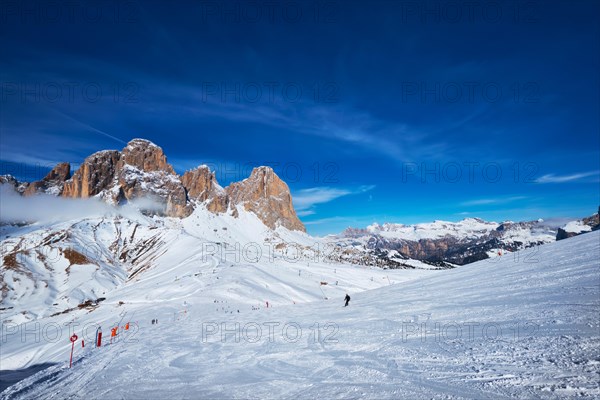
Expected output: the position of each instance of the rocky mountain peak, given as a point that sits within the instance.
(141, 170)
(200, 182)
(52, 183)
(95, 174)
(266, 195)
(146, 156)
(60, 173)
(201, 185)
(264, 182)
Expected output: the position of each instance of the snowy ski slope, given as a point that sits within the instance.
(525, 326)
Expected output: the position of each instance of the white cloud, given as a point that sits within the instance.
(396, 140)
(498, 200)
(48, 208)
(306, 199)
(330, 220)
(551, 178)
(304, 213)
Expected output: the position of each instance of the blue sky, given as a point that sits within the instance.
(387, 111)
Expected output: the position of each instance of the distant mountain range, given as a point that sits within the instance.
(463, 242)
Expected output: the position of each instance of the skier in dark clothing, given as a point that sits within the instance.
(347, 299)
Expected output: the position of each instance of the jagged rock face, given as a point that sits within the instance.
(145, 156)
(424, 249)
(202, 185)
(60, 173)
(95, 175)
(139, 171)
(143, 171)
(165, 189)
(263, 193)
(267, 196)
(52, 183)
(563, 234)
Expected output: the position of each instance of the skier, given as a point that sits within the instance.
(347, 300)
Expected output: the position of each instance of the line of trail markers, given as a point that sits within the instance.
(98, 339)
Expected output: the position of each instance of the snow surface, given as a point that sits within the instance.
(577, 227)
(524, 325)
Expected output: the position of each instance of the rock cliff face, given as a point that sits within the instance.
(141, 170)
(145, 156)
(202, 186)
(94, 175)
(264, 194)
(563, 234)
(52, 183)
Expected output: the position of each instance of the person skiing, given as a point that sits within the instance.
(347, 300)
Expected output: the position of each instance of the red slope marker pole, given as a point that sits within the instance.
(73, 340)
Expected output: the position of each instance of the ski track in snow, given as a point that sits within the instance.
(393, 341)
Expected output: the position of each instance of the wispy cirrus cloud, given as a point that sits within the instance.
(489, 201)
(306, 199)
(329, 220)
(340, 122)
(552, 178)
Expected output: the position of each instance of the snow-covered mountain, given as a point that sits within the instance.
(521, 327)
(64, 248)
(141, 171)
(127, 240)
(577, 227)
(463, 242)
(61, 271)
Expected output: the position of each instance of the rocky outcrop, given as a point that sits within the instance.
(145, 156)
(263, 193)
(95, 175)
(202, 186)
(52, 183)
(267, 196)
(141, 171)
(578, 227)
(564, 234)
